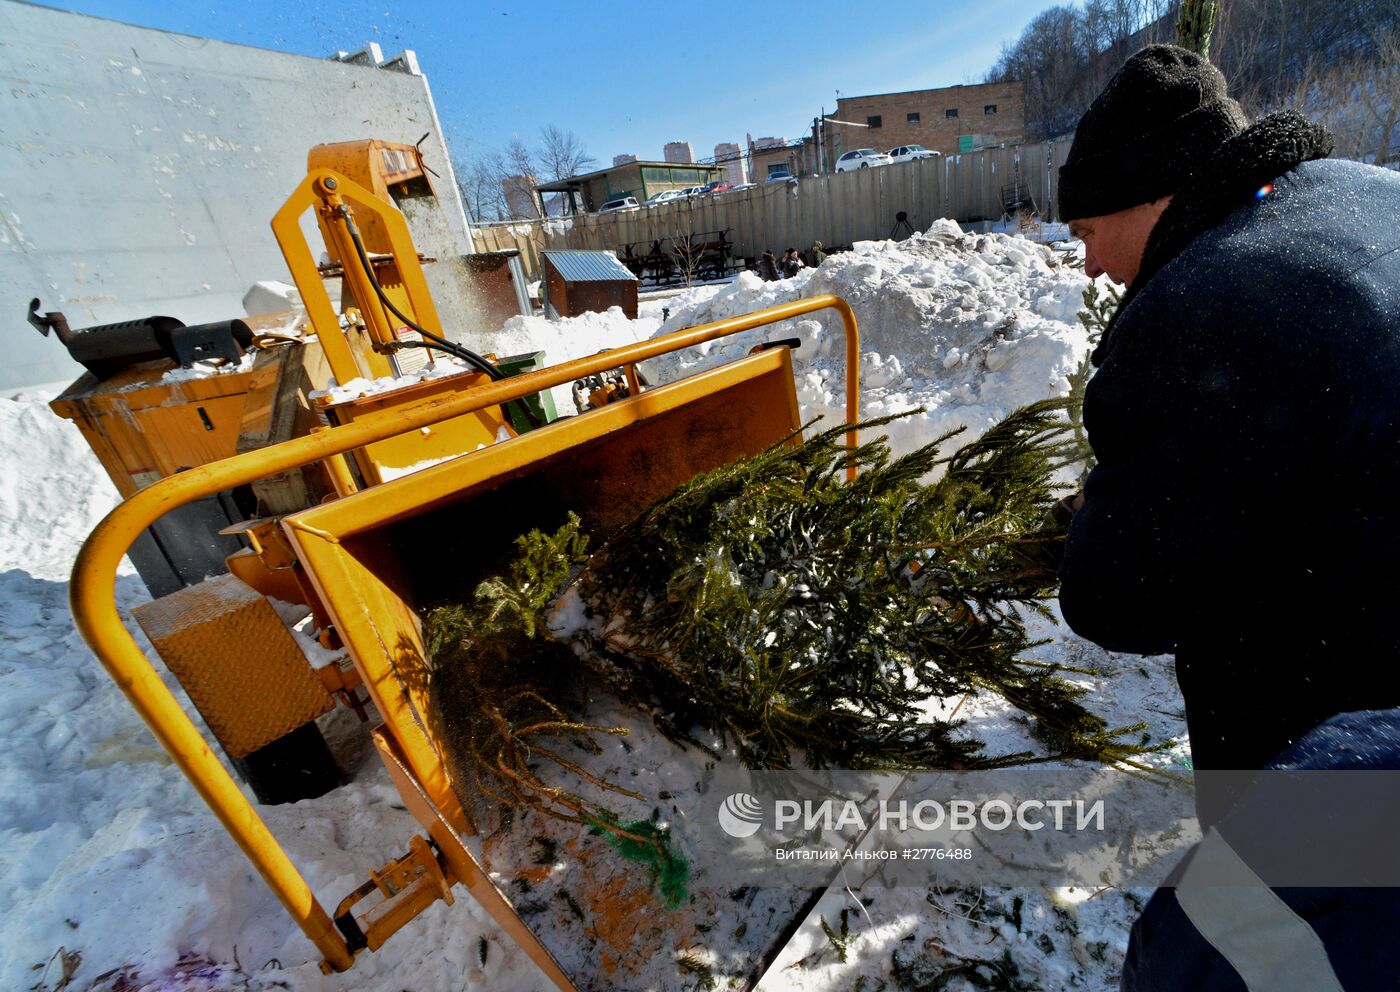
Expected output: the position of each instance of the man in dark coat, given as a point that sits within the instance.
(1244, 512)
(1245, 416)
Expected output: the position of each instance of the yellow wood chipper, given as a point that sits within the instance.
(332, 517)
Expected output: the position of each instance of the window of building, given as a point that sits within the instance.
(989, 109)
(911, 118)
(951, 113)
(873, 121)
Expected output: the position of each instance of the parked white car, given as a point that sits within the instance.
(861, 158)
(907, 153)
(665, 196)
(619, 205)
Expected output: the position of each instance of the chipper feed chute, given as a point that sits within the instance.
(378, 556)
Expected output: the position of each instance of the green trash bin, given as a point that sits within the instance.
(541, 404)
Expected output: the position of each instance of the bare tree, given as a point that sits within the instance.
(1326, 57)
(518, 178)
(562, 155)
(1357, 100)
(518, 158)
(1382, 97)
(1064, 57)
(479, 182)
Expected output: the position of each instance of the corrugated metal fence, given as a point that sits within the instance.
(836, 209)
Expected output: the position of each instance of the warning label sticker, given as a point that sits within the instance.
(409, 361)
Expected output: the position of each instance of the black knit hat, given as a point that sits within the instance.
(1156, 122)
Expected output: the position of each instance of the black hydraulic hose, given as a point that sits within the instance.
(442, 344)
(459, 351)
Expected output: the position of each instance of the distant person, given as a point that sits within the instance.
(792, 263)
(815, 255)
(768, 267)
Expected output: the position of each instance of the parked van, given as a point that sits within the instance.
(615, 206)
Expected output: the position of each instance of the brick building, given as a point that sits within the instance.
(768, 156)
(949, 120)
(679, 152)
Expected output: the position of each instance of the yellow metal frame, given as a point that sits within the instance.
(352, 354)
(92, 592)
(328, 193)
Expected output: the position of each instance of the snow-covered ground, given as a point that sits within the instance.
(114, 872)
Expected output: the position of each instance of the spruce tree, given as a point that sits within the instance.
(800, 617)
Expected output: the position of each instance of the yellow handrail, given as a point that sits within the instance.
(92, 593)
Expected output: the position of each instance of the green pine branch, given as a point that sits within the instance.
(801, 617)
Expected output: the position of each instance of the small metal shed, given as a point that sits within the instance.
(576, 282)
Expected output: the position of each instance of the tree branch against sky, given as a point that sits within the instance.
(1329, 58)
(561, 153)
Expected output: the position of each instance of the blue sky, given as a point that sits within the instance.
(625, 77)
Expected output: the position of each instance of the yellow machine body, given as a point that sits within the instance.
(359, 350)
(388, 459)
(143, 428)
(369, 556)
(365, 560)
(391, 171)
(221, 616)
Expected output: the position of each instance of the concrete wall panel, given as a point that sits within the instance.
(139, 169)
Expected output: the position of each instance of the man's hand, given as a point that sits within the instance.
(1063, 511)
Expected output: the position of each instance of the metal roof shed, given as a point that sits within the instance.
(576, 282)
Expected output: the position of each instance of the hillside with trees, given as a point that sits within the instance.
(1337, 61)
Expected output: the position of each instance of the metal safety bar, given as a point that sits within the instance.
(92, 592)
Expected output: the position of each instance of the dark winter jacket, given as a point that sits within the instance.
(1245, 509)
(1199, 938)
(768, 267)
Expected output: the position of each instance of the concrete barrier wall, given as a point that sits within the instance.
(836, 209)
(139, 170)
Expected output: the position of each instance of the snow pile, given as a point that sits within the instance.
(53, 491)
(969, 326)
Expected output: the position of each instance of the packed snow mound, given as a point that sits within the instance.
(968, 326)
(53, 491)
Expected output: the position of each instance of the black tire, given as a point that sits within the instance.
(865, 165)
